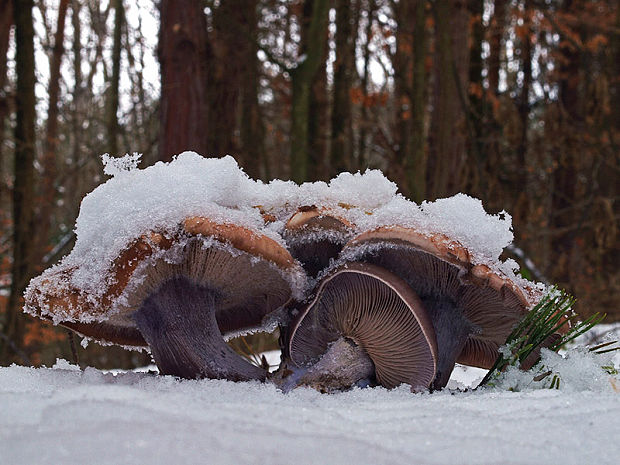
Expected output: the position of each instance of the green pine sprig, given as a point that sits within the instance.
(539, 328)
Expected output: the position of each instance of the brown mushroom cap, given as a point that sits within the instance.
(473, 309)
(378, 312)
(237, 272)
(314, 236)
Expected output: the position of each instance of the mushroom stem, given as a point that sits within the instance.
(452, 330)
(178, 322)
(343, 365)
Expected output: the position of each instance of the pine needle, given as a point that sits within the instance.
(538, 328)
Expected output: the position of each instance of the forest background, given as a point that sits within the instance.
(516, 102)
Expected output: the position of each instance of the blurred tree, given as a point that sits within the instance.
(318, 125)
(344, 72)
(363, 122)
(233, 92)
(184, 56)
(448, 163)
(47, 191)
(496, 33)
(227, 66)
(24, 175)
(252, 130)
(318, 108)
(410, 91)
(6, 21)
(302, 76)
(111, 116)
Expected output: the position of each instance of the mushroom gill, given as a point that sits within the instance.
(363, 323)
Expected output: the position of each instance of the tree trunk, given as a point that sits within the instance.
(318, 126)
(183, 56)
(344, 69)
(364, 124)
(566, 176)
(228, 42)
(48, 188)
(403, 80)
(417, 167)
(476, 95)
(6, 21)
(112, 100)
(524, 98)
(496, 32)
(448, 155)
(23, 190)
(318, 111)
(72, 193)
(252, 128)
(614, 73)
(302, 77)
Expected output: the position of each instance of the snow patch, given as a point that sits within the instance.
(60, 415)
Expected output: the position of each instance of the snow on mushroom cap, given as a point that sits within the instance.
(464, 219)
(134, 202)
(461, 220)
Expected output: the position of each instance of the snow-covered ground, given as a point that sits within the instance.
(64, 415)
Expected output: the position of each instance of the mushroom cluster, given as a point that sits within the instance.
(366, 287)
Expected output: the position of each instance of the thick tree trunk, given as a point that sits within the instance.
(112, 99)
(252, 128)
(448, 150)
(228, 42)
(318, 126)
(403, 78)
(233, 93)
(302, 77)
(23, 190)
(344, 69)
(476, 94)
(183, 56)
(566, 175)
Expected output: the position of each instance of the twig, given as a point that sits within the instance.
(74, 352)
(53, 255)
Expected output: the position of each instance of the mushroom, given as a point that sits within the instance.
(178, 293)
(472, 308)
(315, 236)
(364, 323)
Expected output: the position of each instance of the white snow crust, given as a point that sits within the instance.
(65, 415)
(136, 201)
